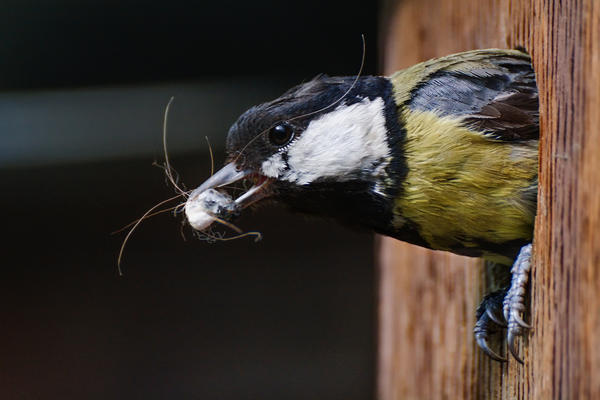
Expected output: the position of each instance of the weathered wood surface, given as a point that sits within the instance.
(428, 299)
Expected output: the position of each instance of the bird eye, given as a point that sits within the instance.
(281, 134)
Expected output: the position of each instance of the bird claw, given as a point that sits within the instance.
(485, 326)
(483, 345)
(498, 321)
(489, 321)
(503, 309)
(510, 339)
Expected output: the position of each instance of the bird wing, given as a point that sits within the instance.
(493, 91)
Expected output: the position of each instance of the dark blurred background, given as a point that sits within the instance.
(83, 86)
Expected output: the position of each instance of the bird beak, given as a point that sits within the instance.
(230, 174)
(225, 176)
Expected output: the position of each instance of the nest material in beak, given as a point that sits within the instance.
(206, 204)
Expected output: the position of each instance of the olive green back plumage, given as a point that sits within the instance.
(471, 152)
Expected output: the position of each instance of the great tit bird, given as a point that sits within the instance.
(443, 155)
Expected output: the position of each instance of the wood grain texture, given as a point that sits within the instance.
(428, 299)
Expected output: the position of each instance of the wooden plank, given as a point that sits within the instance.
(427, 299)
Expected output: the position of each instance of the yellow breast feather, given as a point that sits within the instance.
(462, 186)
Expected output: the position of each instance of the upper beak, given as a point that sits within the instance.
(225, 176)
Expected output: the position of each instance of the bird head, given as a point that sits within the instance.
(323, 147)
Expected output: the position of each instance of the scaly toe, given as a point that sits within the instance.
(514, 302)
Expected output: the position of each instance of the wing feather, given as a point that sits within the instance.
(496, 95)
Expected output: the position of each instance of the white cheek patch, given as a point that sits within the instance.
(345, 143)
(274, 166)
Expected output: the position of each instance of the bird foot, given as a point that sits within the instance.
(503, 309)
